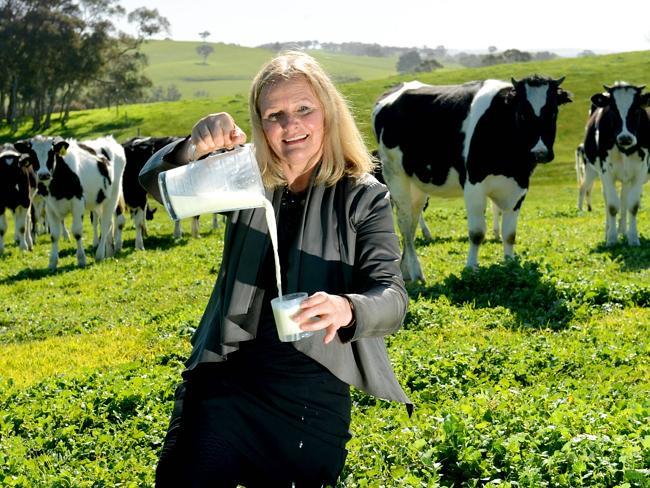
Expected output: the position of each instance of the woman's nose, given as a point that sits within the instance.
(289, 120)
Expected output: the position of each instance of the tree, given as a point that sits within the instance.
(123, 80)
(516, 56)
(204, 50)
(408, 61)
(60, 51)
(427, 65)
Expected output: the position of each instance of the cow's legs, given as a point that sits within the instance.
(633, 204)
(586, 186)
(195, 227)
(20, 226)
(64, 231)
(475, 202)
(106, 245)
(28, 228)
(509, 232)
(408, 211)
(3, 230)
(54, 222)
(119, 226)
(215, 220)
(78, 210)
(622, 221)
(140, 228)
(612, 204)
(496, 214)
(425, 229)
(94, 220)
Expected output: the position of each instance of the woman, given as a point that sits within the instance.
(253, 410)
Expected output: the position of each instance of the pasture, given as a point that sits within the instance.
(533, 372)
(230, 68)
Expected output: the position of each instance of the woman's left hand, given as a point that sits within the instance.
(324, 311)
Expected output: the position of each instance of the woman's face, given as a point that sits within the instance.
(293, 122)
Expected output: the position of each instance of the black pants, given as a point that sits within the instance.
(204, 448)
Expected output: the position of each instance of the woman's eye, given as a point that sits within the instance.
(304, 109)
(273, 117)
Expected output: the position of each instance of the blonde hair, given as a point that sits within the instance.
(344, 152)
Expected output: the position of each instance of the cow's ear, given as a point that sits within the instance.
(510, 95)
(563, 96)
(24, 160)
(61, 147)
(600, 99)
(645, 100)
(22, 146)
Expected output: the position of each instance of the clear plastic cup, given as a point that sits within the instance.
(222, 182)
(284, 308)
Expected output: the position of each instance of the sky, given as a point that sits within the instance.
(597, 25)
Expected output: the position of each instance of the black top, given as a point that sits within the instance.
(267, 360)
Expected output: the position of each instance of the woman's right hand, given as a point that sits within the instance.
(216, 131)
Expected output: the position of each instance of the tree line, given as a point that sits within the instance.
(417, 58)
(61, 55)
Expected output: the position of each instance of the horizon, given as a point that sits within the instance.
(557, 26)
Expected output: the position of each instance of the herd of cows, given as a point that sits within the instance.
(484, 139)
(481, 140)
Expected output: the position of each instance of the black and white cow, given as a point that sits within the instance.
(138, 151)
(617, 144)
(76, 180)
(17, 187)
(114, 152)
(482, 139)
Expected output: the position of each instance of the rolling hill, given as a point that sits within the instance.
(230, 68)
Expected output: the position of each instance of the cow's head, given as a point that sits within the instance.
(10, 158)
(623, 109)
(535, 101)
(43, 153)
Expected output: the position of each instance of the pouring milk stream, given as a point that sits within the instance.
(224, 182)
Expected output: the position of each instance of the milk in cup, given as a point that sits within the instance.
(284, 307)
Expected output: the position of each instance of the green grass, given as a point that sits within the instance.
(534, 372)
(529, 373)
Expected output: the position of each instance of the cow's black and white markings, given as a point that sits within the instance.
(482, 139)
(109, 154)
(138, 150)
(74, 178)
(616, 146)
(17, 187)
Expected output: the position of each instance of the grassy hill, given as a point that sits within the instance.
(230, 68)
(584, 77)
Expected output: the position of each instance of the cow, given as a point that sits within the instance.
(138, 151)
(17, 188)
(114, 152)
(76, 179)
(480, 139)
(616, 146)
